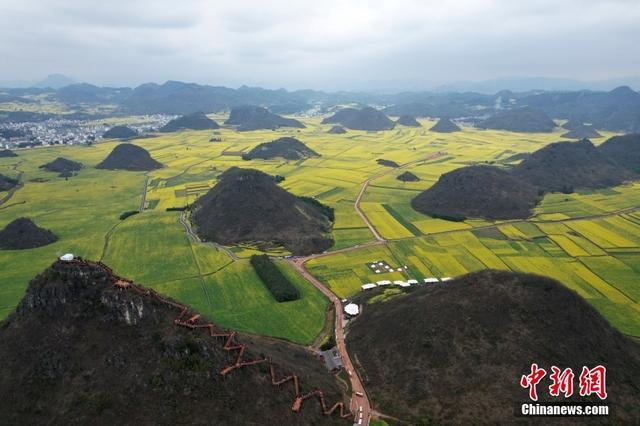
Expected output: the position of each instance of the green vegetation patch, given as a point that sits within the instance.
(279, 286)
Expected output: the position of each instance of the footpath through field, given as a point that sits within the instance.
(195, 238)
(366, 183)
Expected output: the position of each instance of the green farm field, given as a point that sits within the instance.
(590, 241)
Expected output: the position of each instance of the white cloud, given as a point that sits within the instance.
(318, 44)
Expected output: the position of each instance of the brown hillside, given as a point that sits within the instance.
(563, 166)
(129, 157)
(445, 125)
(80, 350)
(62, 166)
(454, 353)
(247, 205)
(22, 234)
(477, 191)
(624, 150)
(6, 183)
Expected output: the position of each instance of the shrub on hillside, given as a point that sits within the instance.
(127, 214)
(387, 163)
(329, 212)
(449, 217)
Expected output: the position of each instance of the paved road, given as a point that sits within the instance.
(356, 385)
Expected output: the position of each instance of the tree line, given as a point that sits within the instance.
(278, 285)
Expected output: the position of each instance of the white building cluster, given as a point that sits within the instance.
(407, 283)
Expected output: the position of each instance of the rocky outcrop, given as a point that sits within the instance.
(85, 346)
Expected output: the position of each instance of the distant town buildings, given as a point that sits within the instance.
(60, 131)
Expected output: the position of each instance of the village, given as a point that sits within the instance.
(63, 131)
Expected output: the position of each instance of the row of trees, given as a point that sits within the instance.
(280, 287)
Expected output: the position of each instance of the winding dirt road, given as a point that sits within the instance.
(364, 217)
(366, 183)
(360, 405)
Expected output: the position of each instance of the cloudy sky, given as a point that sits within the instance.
(328, 44)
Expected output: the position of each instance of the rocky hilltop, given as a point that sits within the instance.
(563, 166)
(460, 349)
(129, 157)
(286, 147)
(408, 120)
(573, 124)
(582, 132)
(7, 183)
(477, 191)
(62, 166)
(250, 117)
(337, 130)
(445, 125)
(368, 118)
(80, 349)
(22, 234)
(407, 177)
(624, 150)
(248, 206)
(493, 193)
(195, 121)
(522, 119)
(6, 153)
(120, 132)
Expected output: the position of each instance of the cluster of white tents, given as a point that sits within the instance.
(381, 267)
(401, 283)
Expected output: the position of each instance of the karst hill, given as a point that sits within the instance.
(248, 206)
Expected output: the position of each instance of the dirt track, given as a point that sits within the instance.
(359, 404)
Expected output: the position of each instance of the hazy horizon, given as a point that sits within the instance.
(337, 45)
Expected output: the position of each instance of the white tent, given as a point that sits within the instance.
(445, 279)
(369, 286)
(401, 283)
(67, 257)
(431, 280)
(384, 282)
(352, 309)
(412, 281)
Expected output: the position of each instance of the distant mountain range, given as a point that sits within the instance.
(525, 84)
(54, 81)
(616, 110)
(489, 86)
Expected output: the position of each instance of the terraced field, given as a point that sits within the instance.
(588, 240)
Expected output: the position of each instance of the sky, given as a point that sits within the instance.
(328, 44)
